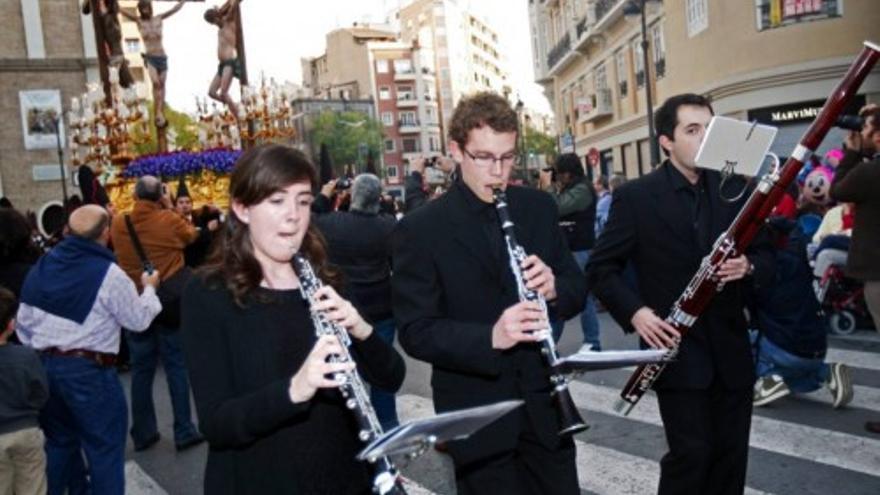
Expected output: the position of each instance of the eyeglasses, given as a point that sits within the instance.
(486, 160)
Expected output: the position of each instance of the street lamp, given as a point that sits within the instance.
(630, 10)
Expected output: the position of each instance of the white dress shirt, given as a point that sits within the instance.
(116, 305)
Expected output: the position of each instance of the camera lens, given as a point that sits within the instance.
(850, 122)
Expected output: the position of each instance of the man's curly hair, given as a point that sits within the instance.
(478, 110)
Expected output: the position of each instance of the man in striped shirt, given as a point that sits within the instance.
(73, 303)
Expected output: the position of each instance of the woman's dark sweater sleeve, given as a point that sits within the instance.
(227, 419)
(379, 362)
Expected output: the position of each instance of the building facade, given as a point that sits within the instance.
(773, 61)
(466, 49)
(370, 64)
(47, 54)
(133, 46)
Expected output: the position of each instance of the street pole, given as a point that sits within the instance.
(61, 161)
(652, 138)
(520, 141)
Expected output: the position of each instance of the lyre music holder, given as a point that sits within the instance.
(416, 437)
(735, 147)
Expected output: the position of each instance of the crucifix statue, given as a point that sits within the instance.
(230, 52)
(155, 59)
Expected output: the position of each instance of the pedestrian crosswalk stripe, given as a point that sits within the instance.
(863, 397)
(833, 448)
(870, 336)
(612, 472)
(137, 482)
(859, 359)
(600, 469)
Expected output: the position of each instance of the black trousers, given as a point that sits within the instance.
(708, 436)
(530, 469)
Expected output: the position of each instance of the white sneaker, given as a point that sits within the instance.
(768, 389)
(840, 384)
(586, 349)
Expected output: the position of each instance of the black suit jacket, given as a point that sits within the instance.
(448, 292)
(649, 227)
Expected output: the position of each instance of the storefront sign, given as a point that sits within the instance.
(799, 112)
(776, 13)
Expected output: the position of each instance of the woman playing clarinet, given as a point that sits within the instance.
(264, 387)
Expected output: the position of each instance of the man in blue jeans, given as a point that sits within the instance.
(146, 348)
(576, 201)
(790, 348)
(73, 303)
(359, 243)
(163, 235)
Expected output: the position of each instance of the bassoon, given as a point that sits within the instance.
(570, 420)
(734, 241)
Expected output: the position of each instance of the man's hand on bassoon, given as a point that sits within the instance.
(654, 330)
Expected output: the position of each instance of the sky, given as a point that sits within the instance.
(278, 33)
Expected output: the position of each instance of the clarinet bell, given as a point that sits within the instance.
(570, 420)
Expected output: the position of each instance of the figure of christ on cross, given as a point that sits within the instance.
(155, 59)
(226, 19)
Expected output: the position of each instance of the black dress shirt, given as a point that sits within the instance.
(695, 200)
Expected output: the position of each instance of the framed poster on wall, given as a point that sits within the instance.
(40, 109)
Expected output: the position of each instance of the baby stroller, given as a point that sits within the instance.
(843, 301)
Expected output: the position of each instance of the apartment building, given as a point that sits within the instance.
(774, 61)
(466, 49)
(47, 54)
(368, 62)
(133, 46)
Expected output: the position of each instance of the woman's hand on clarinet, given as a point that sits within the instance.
(539, 277)
(316, 372)
(341, 312)
(522, 322)
(653, 329)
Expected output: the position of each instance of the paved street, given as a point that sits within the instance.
(799, 445)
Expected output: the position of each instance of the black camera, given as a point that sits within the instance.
(343, 184)
(850, 122)
(431, 162)
(552, 173)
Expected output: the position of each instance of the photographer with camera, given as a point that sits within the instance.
(857, 180)
(420, 179)
(359, 243)
(577, 215)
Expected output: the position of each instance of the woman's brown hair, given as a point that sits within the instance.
(260, 172)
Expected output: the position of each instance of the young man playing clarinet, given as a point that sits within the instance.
(664, 223)
(456, 305)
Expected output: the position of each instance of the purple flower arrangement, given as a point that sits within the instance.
(221, 161)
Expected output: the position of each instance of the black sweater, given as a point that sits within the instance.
(360, 244)
(240, 362)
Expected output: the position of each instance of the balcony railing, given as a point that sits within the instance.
(660, 68)
(558, 51)
(640, 78)
(581, 26)
(605, 6)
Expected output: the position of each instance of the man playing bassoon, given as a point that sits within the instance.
(664, 223)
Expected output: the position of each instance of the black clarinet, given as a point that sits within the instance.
(570, 419)
(352, 388)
